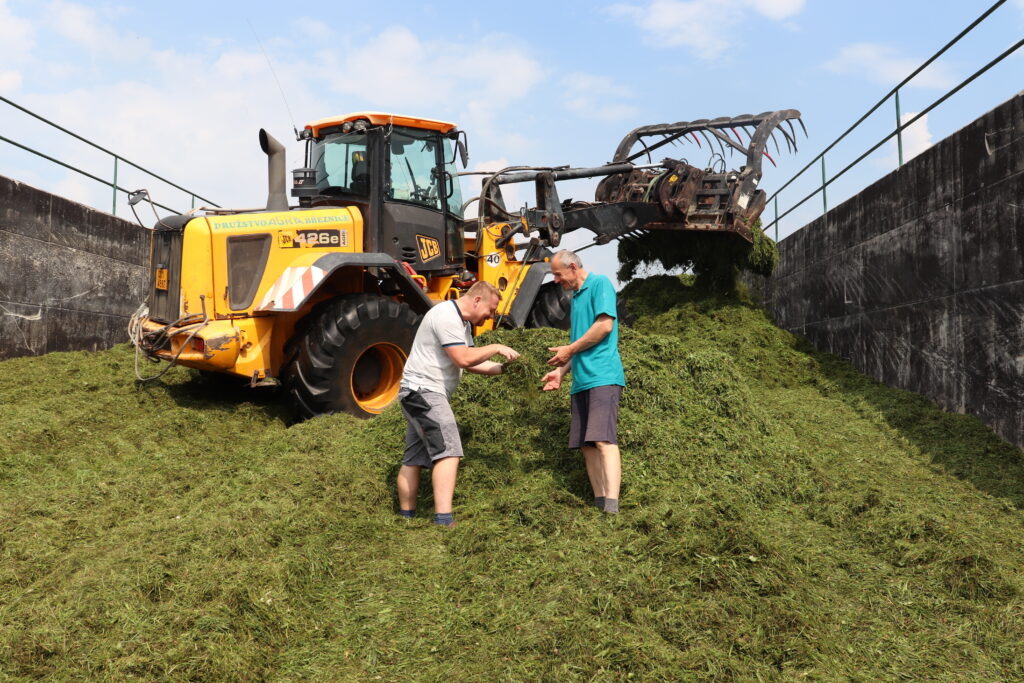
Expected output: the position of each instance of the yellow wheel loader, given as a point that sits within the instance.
(324, 297)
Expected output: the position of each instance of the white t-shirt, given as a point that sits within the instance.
(429, 367)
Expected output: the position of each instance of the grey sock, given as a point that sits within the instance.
(611, 506)
(599, 502)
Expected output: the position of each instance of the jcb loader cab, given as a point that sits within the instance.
(324, 297)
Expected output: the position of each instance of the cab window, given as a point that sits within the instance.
(451, 182)
(414, 178)
(342, 164)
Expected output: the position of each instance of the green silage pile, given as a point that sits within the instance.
(783, 517)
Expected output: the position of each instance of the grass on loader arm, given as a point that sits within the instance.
(782, 517)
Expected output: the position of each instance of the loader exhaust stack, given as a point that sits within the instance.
(277, 197)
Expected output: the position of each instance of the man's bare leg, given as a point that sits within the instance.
(445, 472)
(592, 458)
(611, 468)
(408, 485)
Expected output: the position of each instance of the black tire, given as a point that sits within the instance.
(349, 356)
(551, 307)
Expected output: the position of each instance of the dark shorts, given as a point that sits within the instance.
(432, 433)
(595, 416)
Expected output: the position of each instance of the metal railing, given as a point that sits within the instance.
(118, 160)
(897, 132)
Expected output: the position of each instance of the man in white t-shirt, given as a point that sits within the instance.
(442, 349)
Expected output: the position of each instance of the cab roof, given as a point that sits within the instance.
(377, 118)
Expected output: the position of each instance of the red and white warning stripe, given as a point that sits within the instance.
(291, 288)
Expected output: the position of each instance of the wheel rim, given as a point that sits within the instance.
(376, 375)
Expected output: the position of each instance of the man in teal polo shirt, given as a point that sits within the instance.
(597, 377)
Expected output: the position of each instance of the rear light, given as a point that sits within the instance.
(199, 344)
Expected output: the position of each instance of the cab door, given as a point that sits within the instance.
(413, 216)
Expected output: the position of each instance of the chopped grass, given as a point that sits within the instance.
(782, 516)
(716, 259)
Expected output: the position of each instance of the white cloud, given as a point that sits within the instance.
(883, 64)
(82, 26)
(313, 29)
(213, 148)
(703, 26)
(236, 65)
(916, 139)
(17, 36)
(778, 9)
(597, 97)
(10, 81)
(397, 68)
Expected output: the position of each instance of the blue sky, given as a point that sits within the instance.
(182, 88)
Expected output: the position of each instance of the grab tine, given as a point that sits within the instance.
(793, 130)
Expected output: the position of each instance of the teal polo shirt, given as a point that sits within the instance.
(599, 365)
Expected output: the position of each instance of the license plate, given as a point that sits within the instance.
(161, 278)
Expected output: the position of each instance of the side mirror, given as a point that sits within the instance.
(137, 196)
(463, 152)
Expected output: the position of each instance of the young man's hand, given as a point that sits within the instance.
(507, 351)
(552, 381)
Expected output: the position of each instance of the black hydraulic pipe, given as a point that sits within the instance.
(566, 173)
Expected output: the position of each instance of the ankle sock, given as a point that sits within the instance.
(408, 514)
(599, 502)
(444, 518)
(611, 505)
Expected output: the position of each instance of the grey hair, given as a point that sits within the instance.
(569, 257)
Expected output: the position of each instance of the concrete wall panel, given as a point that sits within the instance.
(842, 336)
(991, 147)
(83, 331)
(931, 259)
(70, 276)
(24, 210)
(22, 330)
(88, 230)
(992, 244)
(26, 276)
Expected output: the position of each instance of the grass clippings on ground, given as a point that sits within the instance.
(782, 517)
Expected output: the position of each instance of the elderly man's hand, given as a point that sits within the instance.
(561, 357)
(552, 381)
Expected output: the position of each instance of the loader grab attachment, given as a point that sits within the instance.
(671, 194)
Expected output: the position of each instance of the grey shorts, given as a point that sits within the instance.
(595, 416)
(432, 433)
